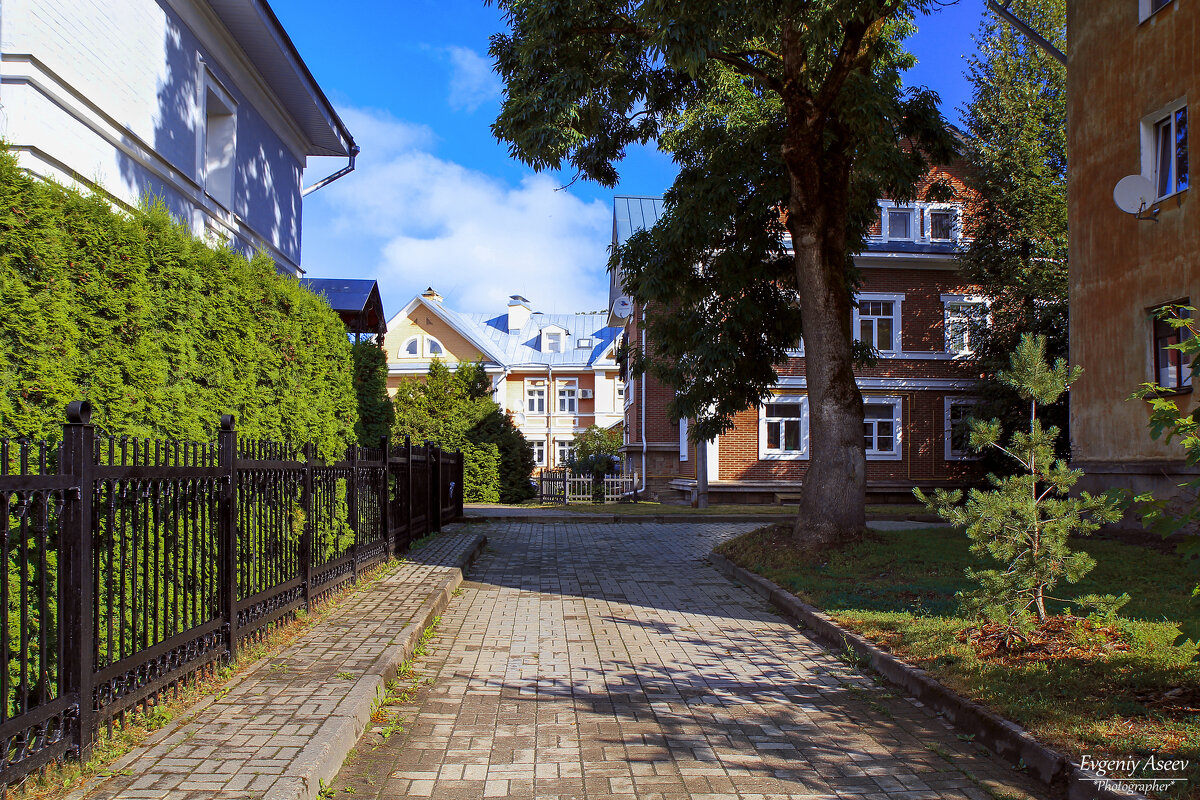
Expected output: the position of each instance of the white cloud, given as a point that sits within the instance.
(472, 82)
(410, 219)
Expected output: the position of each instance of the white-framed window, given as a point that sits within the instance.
(568, 395)
(421, 345)
(961, 312)
(552, 341)
(901, 224)
(783, 428)
(539, 452)
(219, 142)
(942, 224)
(1165, 149)
(1148, 8)
(958, 411)
(619, 389)
(881, 427)
(683, 439)
(564, 449)
(535, 400)
(877, 321)
(1171, 369)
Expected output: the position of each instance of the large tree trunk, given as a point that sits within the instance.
(833, 497)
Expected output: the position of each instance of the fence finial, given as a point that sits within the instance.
(227, 422)
(79, 412)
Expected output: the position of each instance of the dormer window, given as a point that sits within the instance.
(941, 225)
(900, 223)
(553, 340)
(416, 346)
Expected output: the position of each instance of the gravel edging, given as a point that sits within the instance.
(1003, 737)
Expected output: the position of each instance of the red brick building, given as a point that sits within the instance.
(913, 308)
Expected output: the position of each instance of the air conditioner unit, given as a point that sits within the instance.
(586, 394)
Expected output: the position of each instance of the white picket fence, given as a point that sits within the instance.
(559, 486)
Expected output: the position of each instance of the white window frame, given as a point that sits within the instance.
(886, 222)
(555, 335)
(1146, 9)
(683, 439)
(955, 217)
(562, 450)
(1149, 131)
(949, 453)
(897, 301)
(897, 451)
(949, 300)
(217, 105)
(428, 341)
(765, 454)
(404, 347)
(531, 391)
(618, 394)
(564, 402)
(539, 452)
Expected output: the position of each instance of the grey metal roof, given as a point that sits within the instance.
(634, 213)
(357, 302)
(258, 31)
(522, 347)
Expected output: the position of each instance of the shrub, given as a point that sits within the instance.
(160, 331)
(375, 410)
(1024, 522)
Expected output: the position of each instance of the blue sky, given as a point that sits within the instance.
(436, 200)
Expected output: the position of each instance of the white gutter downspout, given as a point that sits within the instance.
(642, 381)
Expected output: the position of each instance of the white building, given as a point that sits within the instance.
(203, 103)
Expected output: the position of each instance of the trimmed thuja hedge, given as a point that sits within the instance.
(160, 331)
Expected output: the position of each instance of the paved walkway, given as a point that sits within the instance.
(285, 726)
(609, 662)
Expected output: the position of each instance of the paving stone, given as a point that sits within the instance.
(610, 661)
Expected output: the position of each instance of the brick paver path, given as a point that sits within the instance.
(271, 733)
(609, 661)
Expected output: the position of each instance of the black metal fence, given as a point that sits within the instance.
(129, 565)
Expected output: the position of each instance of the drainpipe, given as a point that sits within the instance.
(341, 173)
(642, 381)
(551, 450)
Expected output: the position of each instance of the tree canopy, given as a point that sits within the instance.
(788, 120)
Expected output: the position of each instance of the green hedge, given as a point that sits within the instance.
(161, 332)
(481, 472)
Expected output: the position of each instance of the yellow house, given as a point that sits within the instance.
(556, 374)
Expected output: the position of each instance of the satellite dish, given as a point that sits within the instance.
(622, 308)
(1133, 194)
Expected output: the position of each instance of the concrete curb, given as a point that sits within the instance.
(658, 519)
(322, 757)
(1004, 738)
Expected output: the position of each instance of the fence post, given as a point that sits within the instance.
(385, 501)
(433, 462)
(566, 485)
(77, 588)
(462, 487)
(227, 527)
(352, 506)
(310, 452)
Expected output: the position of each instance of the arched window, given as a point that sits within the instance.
(411, 348)
(432, 346)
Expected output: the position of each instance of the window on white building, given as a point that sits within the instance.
(959, 411)
(535, 400)
(877, 322)
(881, 426)
(567, 399)
(539, 453)
(220, 143)
(783, 428)
(565, 449)
(552, 341)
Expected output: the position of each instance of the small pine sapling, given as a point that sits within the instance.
(1026, 519)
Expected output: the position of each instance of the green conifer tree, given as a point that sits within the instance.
(1026, 519)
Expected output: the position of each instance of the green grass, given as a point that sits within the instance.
(897, 588)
